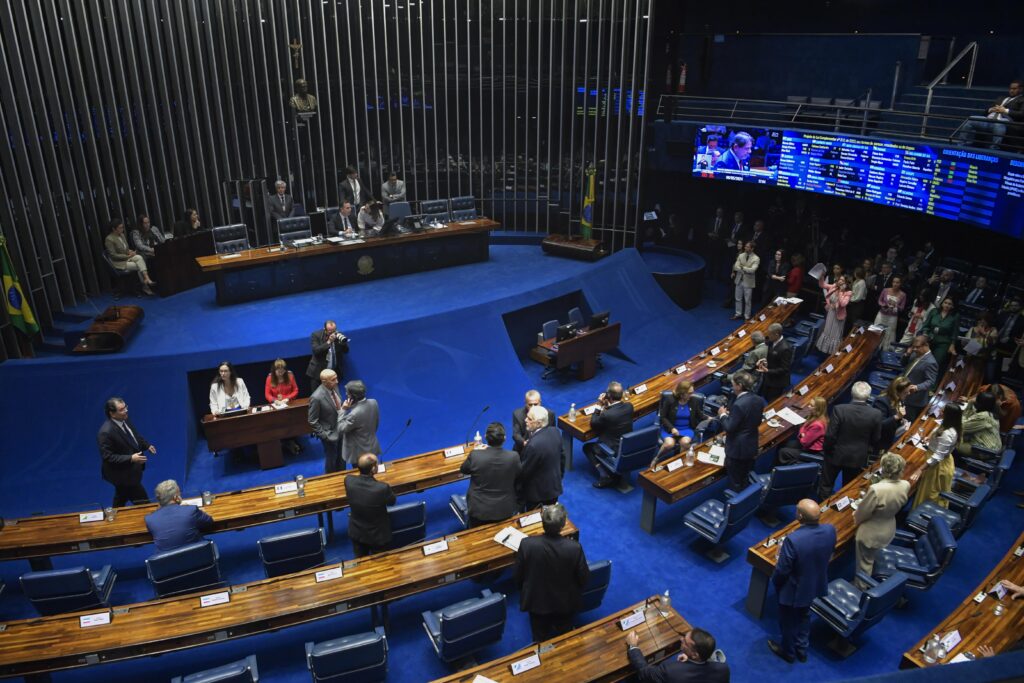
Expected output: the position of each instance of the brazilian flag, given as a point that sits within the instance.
(587, 219)
(17, 305)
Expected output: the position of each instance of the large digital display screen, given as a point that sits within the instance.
(949, 182)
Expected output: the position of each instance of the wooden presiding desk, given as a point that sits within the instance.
(583, 349)
(595, 652)
(47, 644)
(264, 426)
(272, 271)
(846, 365)
(38, 538)
(699, 369)
(976, 622)
(959, 381)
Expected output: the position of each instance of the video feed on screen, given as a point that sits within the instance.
(740, 153)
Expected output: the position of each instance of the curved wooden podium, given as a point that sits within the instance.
(110, 331)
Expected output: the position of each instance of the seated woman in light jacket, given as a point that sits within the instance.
(981, 426)
(875, 516)
(228, 392)
(939, 468)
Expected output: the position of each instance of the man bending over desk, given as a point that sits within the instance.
(695, 661)
(174, 525)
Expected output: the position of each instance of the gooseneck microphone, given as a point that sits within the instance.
(475, 420)
(395, 440)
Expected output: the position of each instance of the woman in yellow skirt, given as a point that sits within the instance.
(938, 471)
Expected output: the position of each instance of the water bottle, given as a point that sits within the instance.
(689, 456)
(931, 649)
(478, 441)
(940, 650)
(572, 412)
(664, 604)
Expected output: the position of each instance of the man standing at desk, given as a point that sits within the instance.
(393, 189)
(281, 205)
(123, 451)
(776, 365)
(322, 415)
(369, 526)
(328, 347)
(519, 430)
(740, 422)
(613, 419)
(354, 190)
(357, 423)
(493, 474)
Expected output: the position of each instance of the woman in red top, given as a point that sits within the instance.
(281, 388)
(795, 277)
(811, 437)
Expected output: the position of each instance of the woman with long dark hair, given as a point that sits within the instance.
(228, 392)
(939, 468)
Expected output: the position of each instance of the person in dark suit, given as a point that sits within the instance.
(922, 371)
(493, 475)
(322, 415)
(279, 204)
(776, 365)
(853, 435)
(123, 451)
(369, 526)
(614, 417)
(737, 157)
(329, 345)
(893, 411)
(357, 423)
(693, 664)
(353, 189)
(343, 223)
(740, 422)
(519, 430)
(550, 572)
(1011, 329)
(540, 479)
(801, 575)
(979, 296)
(173, 525)
(1004, 112)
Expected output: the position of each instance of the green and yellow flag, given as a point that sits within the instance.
(17, 305)
(587, 218)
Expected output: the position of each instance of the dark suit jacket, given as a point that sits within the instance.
(891, 421)
(318, 361)
(550, 572)
(347, 194)
(173, 526)
(671, 670)
(728, 162)
(276, 209)
(612, 422)
(519, 426)
(368, 499)
(924, 374)
(540, 478)
(337, 225)
(116, 450)
(493, 474)
(1016, 330)
(801, 572)
(780, 362)
(669, 406)
(983, 300)
(853, 433)
(741, 425)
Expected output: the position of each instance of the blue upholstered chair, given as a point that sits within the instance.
(295, 228)
(435, 211)
(597, 585)
(398, 210)
(292, 552)
(463, 208)
(242, 671)
(718, 521)
(922, 559)
(459, 630)
(550, 329)
(359, 658)
(188, 568)
(960, 514)
(993, 470)
(330, 212)
(810, 328)
(460, 507)
(636, 450)
(576, 317)
(890, 361)
(850, 611)
(408, 523)
(880, 381)
(228, 239)
(56, 591)
(787, 484)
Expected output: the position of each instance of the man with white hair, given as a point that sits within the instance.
(174, 525)
(279, 204)
(540, 479)
(519, 431)
(853, 434)
(324, 407)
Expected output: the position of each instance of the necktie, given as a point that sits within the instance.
(131, 437)
(334, 397)
(1007, 326)
(911, 366)
(974, 295)
(282, 199)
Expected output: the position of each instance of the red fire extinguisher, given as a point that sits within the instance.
(681, 87)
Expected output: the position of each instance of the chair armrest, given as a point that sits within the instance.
(904, 538)
(910, 569)
(979, 466)
(988, 453)
(867, 579)
(959, 501)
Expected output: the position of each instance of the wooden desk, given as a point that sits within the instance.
(976, 622)
(583, 349)
(595, 652)
(149, 628)
(174, 264)
(272, 271)
(110, 330)
(671, 487)
(645, 395)
(966, 379)
(266, 428)
(38, 538)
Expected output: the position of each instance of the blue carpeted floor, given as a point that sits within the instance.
(432, 347)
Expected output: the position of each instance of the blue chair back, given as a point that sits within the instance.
(464, 215)
(460, 506)
(878, 601)
(576, 317)
(636, 450)
(228, 239)
(550, 329)
(470, 625)
(408, 523)
(242, 671)
(295, 228)
(738, 511)
(597, 585)
(291, 552)
(188, 568)
(466, 203)
(935, 549)
(431, 206)
(330, 212)
(399, 210)
(351, 659)
(56, 591)
(789, 484)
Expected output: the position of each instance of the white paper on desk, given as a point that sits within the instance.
(510, 537)
(86, 517)
(713, 458)
(715, 351)
(829, 368)
(483, 679)
(791, 417)
(972, 347)
(287, 487)
(876, 328)
(741, 334)
(531, 662)
(454, 450)
(951, 386)
(803, 390)
(795, 300)
(381, 468)
(769, 414)
(681, 369)
(961, 657)
(998, 590)
(197, 501)
(779, 300)
(335, 240)
(817, 271)
(98, 619)
(951, 639)
(227, 256)
(589, 410)
(533, 518)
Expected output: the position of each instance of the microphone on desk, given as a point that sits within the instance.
(395, 440)
(475, 420)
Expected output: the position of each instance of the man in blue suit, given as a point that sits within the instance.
(740, 422)
(801, 574)
(738, 154)
(174, 525)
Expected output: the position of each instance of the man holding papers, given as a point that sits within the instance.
(740, 422)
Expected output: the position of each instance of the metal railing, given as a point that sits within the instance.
(971, 48)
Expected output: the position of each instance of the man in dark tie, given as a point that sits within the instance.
(354, 190)
(342, 223)
(740, 422)
(322, 415)
(532, 398)
(922, 372)
(123, 451)
(613, 419)
(281, 204)
(978, 296)
(776, 365)
(329, 345)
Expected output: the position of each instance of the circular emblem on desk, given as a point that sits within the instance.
(365, 265)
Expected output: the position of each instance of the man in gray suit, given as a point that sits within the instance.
(393, 190)
(922, 372)
(357, 423)
(493, 472)
(279, 204)
(322, 415)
